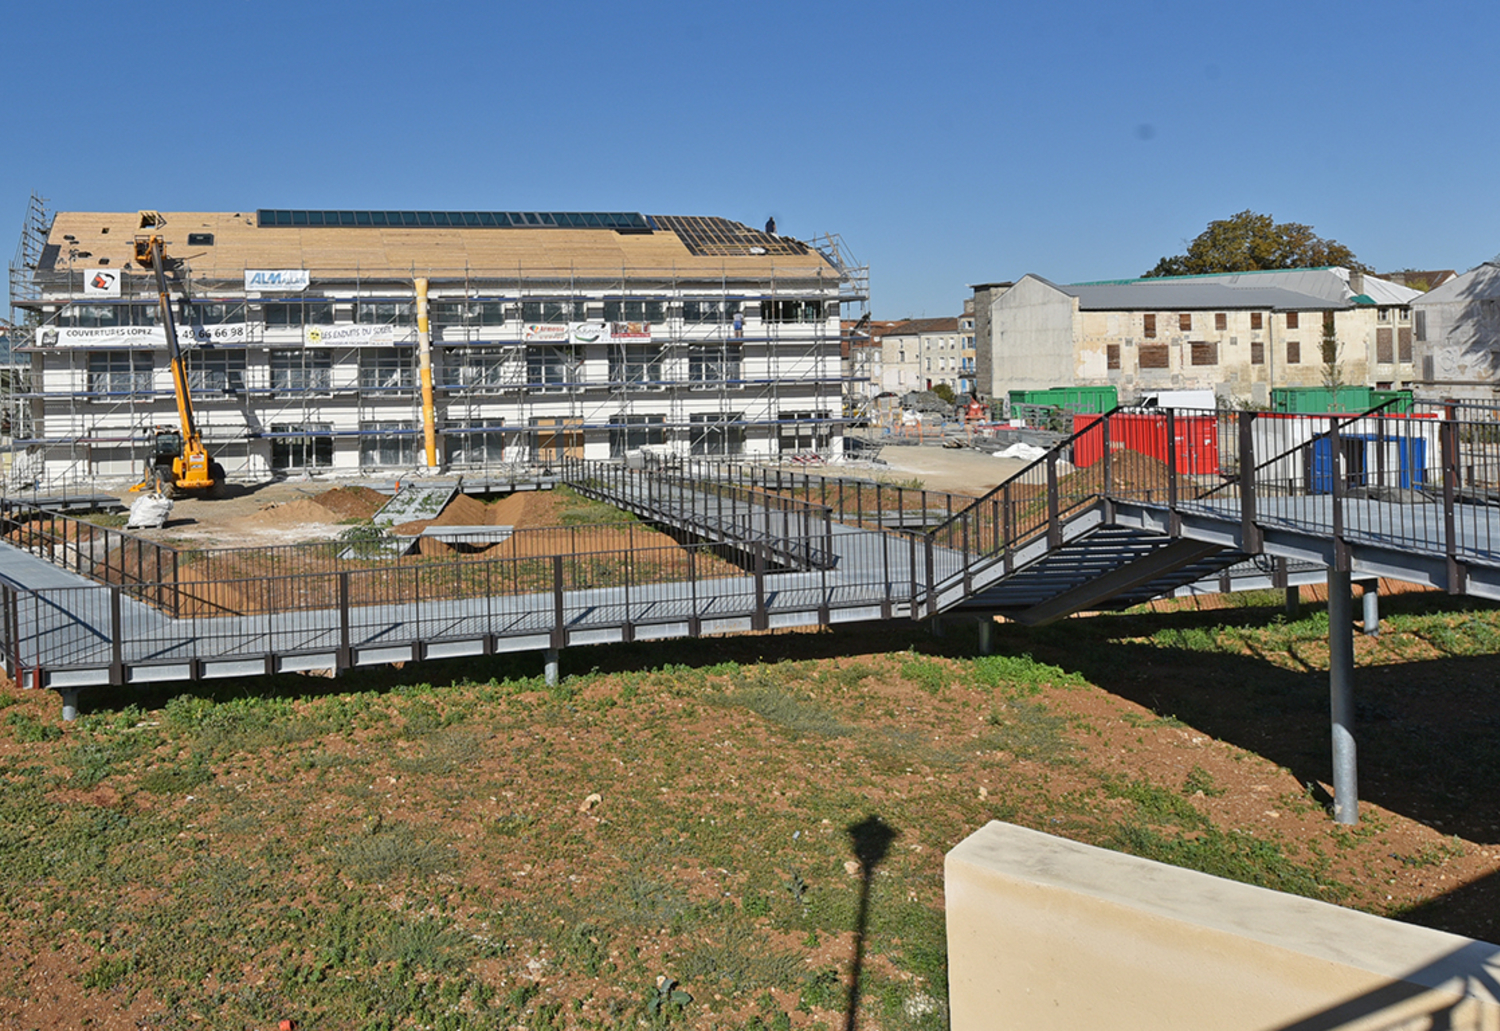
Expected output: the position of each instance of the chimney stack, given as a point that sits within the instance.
(1357, 282)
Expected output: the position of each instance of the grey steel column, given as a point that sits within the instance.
(69, 704)
(549, 667)
(986, 628)
(1372, 607)
(1341, 696)
(1293, 599)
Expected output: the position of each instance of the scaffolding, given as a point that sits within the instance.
(732, 365)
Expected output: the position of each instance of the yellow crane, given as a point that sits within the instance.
(178, 462)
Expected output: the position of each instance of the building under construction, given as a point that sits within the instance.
(358, 342)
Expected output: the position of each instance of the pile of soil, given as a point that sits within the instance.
(291, 513)
(521, 510)
(352, 502)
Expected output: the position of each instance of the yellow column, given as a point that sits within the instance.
(424, 360)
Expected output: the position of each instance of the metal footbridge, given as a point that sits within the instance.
(1132, 506)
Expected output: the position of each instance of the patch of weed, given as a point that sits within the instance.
(30, 730)
(1199, 779)
(1434, 853)
(392, 851)
(177, 777)
(1027, 730)
(1020, 672)
(928, 674)
(1239, 857)
(792, 712)
(1155, 805)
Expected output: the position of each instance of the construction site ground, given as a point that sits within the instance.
(291, 511)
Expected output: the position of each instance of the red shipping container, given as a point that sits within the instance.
(1197, 439)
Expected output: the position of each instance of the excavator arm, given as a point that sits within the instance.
(192, 469)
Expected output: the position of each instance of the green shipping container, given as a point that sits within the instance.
(1082, 400)
(1402, 398)
(1321, 400)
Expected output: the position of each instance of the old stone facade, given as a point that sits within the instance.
(1239, 336)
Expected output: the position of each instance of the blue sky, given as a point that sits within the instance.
(949, 143)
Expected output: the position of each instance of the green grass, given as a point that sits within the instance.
(576, 510)
(383, 851)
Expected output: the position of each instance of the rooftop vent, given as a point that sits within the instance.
(200, 239)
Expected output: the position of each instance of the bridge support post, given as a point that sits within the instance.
(550, 662)
(70, 704)
(1293, 599)
(986, 634)
(1341, 696)
(1372, 607)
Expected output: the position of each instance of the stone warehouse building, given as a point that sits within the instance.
(1239, 334)
(551, 334)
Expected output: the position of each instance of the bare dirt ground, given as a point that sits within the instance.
(957, 470)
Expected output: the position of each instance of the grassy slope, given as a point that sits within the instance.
(386, 853)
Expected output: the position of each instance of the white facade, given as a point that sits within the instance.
(526, 368)
(919, 354)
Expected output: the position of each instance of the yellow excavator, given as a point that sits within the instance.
(179, 464)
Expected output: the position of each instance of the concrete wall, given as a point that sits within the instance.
(1045, 933)
(1458, 336)
(985, 295)
(1033, 330)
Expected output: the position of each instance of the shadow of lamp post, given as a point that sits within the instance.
(871, 838)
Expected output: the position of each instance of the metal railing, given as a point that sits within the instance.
(416, 606)
(110, 556)
(792, 530)
(1404, 481)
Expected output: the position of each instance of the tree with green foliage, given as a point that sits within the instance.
(945, 392)
(1250, 242)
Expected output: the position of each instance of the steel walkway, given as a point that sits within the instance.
(1208, 500)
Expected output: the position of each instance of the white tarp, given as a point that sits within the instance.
(329, 336)
(149, 512)
(1025, 452)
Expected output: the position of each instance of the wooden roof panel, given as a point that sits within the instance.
(239, 243)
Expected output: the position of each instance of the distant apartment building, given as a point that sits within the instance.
(967, 357)
(919, 354)
(861, 355)
(980, 304)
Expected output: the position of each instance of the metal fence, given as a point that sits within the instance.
(1425, 482)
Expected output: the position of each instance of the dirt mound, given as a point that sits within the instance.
(536, 508)
(522, 510)
(292, 513)
(352, 502)
(463, 511)
(512, 510)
